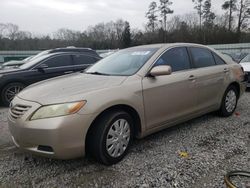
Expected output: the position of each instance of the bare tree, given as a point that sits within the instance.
(243, 14)
(11, 31)
(2, 29)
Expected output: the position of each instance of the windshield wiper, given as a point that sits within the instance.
(97, 73)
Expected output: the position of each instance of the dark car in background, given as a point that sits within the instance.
(45, 65)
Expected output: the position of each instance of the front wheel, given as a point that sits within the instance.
(110, 137)
(10, 91)
(229, 102)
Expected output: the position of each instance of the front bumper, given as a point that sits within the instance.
(60, 137)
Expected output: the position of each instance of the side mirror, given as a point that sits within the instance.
(161, 70)
(41, 67)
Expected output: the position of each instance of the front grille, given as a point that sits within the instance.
(18, 111)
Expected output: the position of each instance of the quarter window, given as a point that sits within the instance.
(58, 61)
(177, 58)
(202, 57)
(84, 60)
(218, 60)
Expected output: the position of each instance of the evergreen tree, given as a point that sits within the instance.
(151, 15)
(230, 5)
(165, 10)
(198, 7)
(126, 35)
(207, 14)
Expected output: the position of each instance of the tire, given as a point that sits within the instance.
(9, 92)
(102, 130)
(227, 108)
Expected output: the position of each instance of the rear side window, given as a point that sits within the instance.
(177, 58)
(84, 59)
(202, 57)
(218, 60)
(58, 61)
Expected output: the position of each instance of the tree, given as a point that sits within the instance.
(230, 5)
(126, 35)
(152, 17)
(165, 10)
(208, 15)
(243, 15)
(198, 7)
(11, 31)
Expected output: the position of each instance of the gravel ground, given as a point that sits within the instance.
(210, 147)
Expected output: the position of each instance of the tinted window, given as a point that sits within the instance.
(218, 60)
(58, 61)
(84, 59)
(177, 58)
(202, 57)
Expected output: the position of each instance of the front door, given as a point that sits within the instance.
(171, 97)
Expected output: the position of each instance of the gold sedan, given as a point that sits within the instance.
(132, 93)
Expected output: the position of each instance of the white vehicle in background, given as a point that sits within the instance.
(245, 63)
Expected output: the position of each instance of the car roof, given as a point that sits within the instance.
(72, 53)
(70, 50)
(167, 45)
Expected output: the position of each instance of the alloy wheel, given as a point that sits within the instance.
(12, 91)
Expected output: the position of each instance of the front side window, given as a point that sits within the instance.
(177, 58)
(123, 63)
(84, 59)
(58, 61)
(202, 57)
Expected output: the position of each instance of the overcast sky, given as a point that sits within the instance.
(46, 16)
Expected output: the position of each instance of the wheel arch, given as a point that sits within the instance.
(12, 81)
(130, 110)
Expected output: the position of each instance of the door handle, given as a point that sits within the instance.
(191, 78)
(226, 70)
(68, 72)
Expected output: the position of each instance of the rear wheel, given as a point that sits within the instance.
(110, 137)
(10, 91)
(229, 101)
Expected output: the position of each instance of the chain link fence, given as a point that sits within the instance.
(238, 50)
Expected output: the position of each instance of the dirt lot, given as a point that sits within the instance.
(214, 146)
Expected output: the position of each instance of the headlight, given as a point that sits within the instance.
(58, 110)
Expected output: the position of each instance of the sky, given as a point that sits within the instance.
(47, 16)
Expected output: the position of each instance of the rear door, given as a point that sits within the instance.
(210, 74)
(83, 61)
(172, 97)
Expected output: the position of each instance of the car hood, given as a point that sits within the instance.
(68, 88)
(9, 70)
(246, 66)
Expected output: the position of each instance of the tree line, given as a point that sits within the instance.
(204, 26)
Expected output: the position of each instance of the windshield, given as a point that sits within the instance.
(246, 59)
(123, 63)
